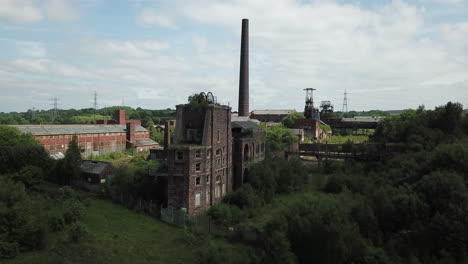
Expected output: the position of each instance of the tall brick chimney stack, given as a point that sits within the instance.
(131, 137)
(119, 116)
(244, 70)
(167, 135)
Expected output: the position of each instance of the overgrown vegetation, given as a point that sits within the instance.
(27, 213)
(289, 120)
(411, 208)
(279, 138)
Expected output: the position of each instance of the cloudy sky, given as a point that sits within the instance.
(153, 54)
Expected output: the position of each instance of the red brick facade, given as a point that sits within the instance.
(90, 143)
(200, 161)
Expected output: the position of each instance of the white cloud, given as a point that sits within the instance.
(20, 11)
(448, 1)
(150, 16)
(31, 11)
(331, 46)
(31, 49)
(388, 57)
(135, 48)
(61, 10)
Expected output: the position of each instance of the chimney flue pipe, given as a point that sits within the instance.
(244, 70)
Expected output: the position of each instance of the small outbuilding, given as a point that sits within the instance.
(96, 172)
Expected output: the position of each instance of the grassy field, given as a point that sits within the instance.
(336, 139)
(119, 236)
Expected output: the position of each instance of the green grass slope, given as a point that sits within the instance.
(117, 236)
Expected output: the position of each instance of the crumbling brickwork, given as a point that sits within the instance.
(200, 160)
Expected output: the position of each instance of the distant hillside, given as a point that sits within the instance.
(394, 112)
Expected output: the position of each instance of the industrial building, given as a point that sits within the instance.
(92, 139)
(274, 116)
(211, 153)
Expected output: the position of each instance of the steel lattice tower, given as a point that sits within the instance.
(95, 101)
(345, 102)
(54, 113)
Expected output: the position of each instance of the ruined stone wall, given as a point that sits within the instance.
(204, 175)
(247, 150)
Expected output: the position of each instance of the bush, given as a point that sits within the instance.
(73, 211)
(56, 223)
(244, 197)
(78, 232)
(30, 236)
(8, 250)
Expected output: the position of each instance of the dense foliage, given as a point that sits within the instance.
(279, 138)
(365, 113)
(26, 216)
(411, 208)
(158, 135)
(289, 120)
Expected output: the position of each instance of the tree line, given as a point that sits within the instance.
(411, 208)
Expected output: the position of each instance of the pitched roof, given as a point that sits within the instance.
(245, 125)
(93, 167)
(74, 129)
(146, 142)
(274, 112)
(368, 119)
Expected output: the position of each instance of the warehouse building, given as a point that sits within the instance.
(92, 139)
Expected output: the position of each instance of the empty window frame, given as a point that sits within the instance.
(197, 199)
(179, 155)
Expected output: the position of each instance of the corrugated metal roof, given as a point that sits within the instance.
(145, 142)
(93, 167)
(74, 129)
(361, 119)
(273, 112)
(245, 125)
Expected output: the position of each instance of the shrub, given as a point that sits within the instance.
(30, 236)
(78, 232)
(56, 223)
(73, 211)
(8, 250)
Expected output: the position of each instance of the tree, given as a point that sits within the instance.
(279, 138)
(289, 120)
(69, 167)
(18, 150)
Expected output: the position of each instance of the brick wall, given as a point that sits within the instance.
(204, 175)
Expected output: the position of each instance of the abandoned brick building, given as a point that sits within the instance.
(211, 153)
(210, 156)
(248, 148)
(200, 160)
(93, 139)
